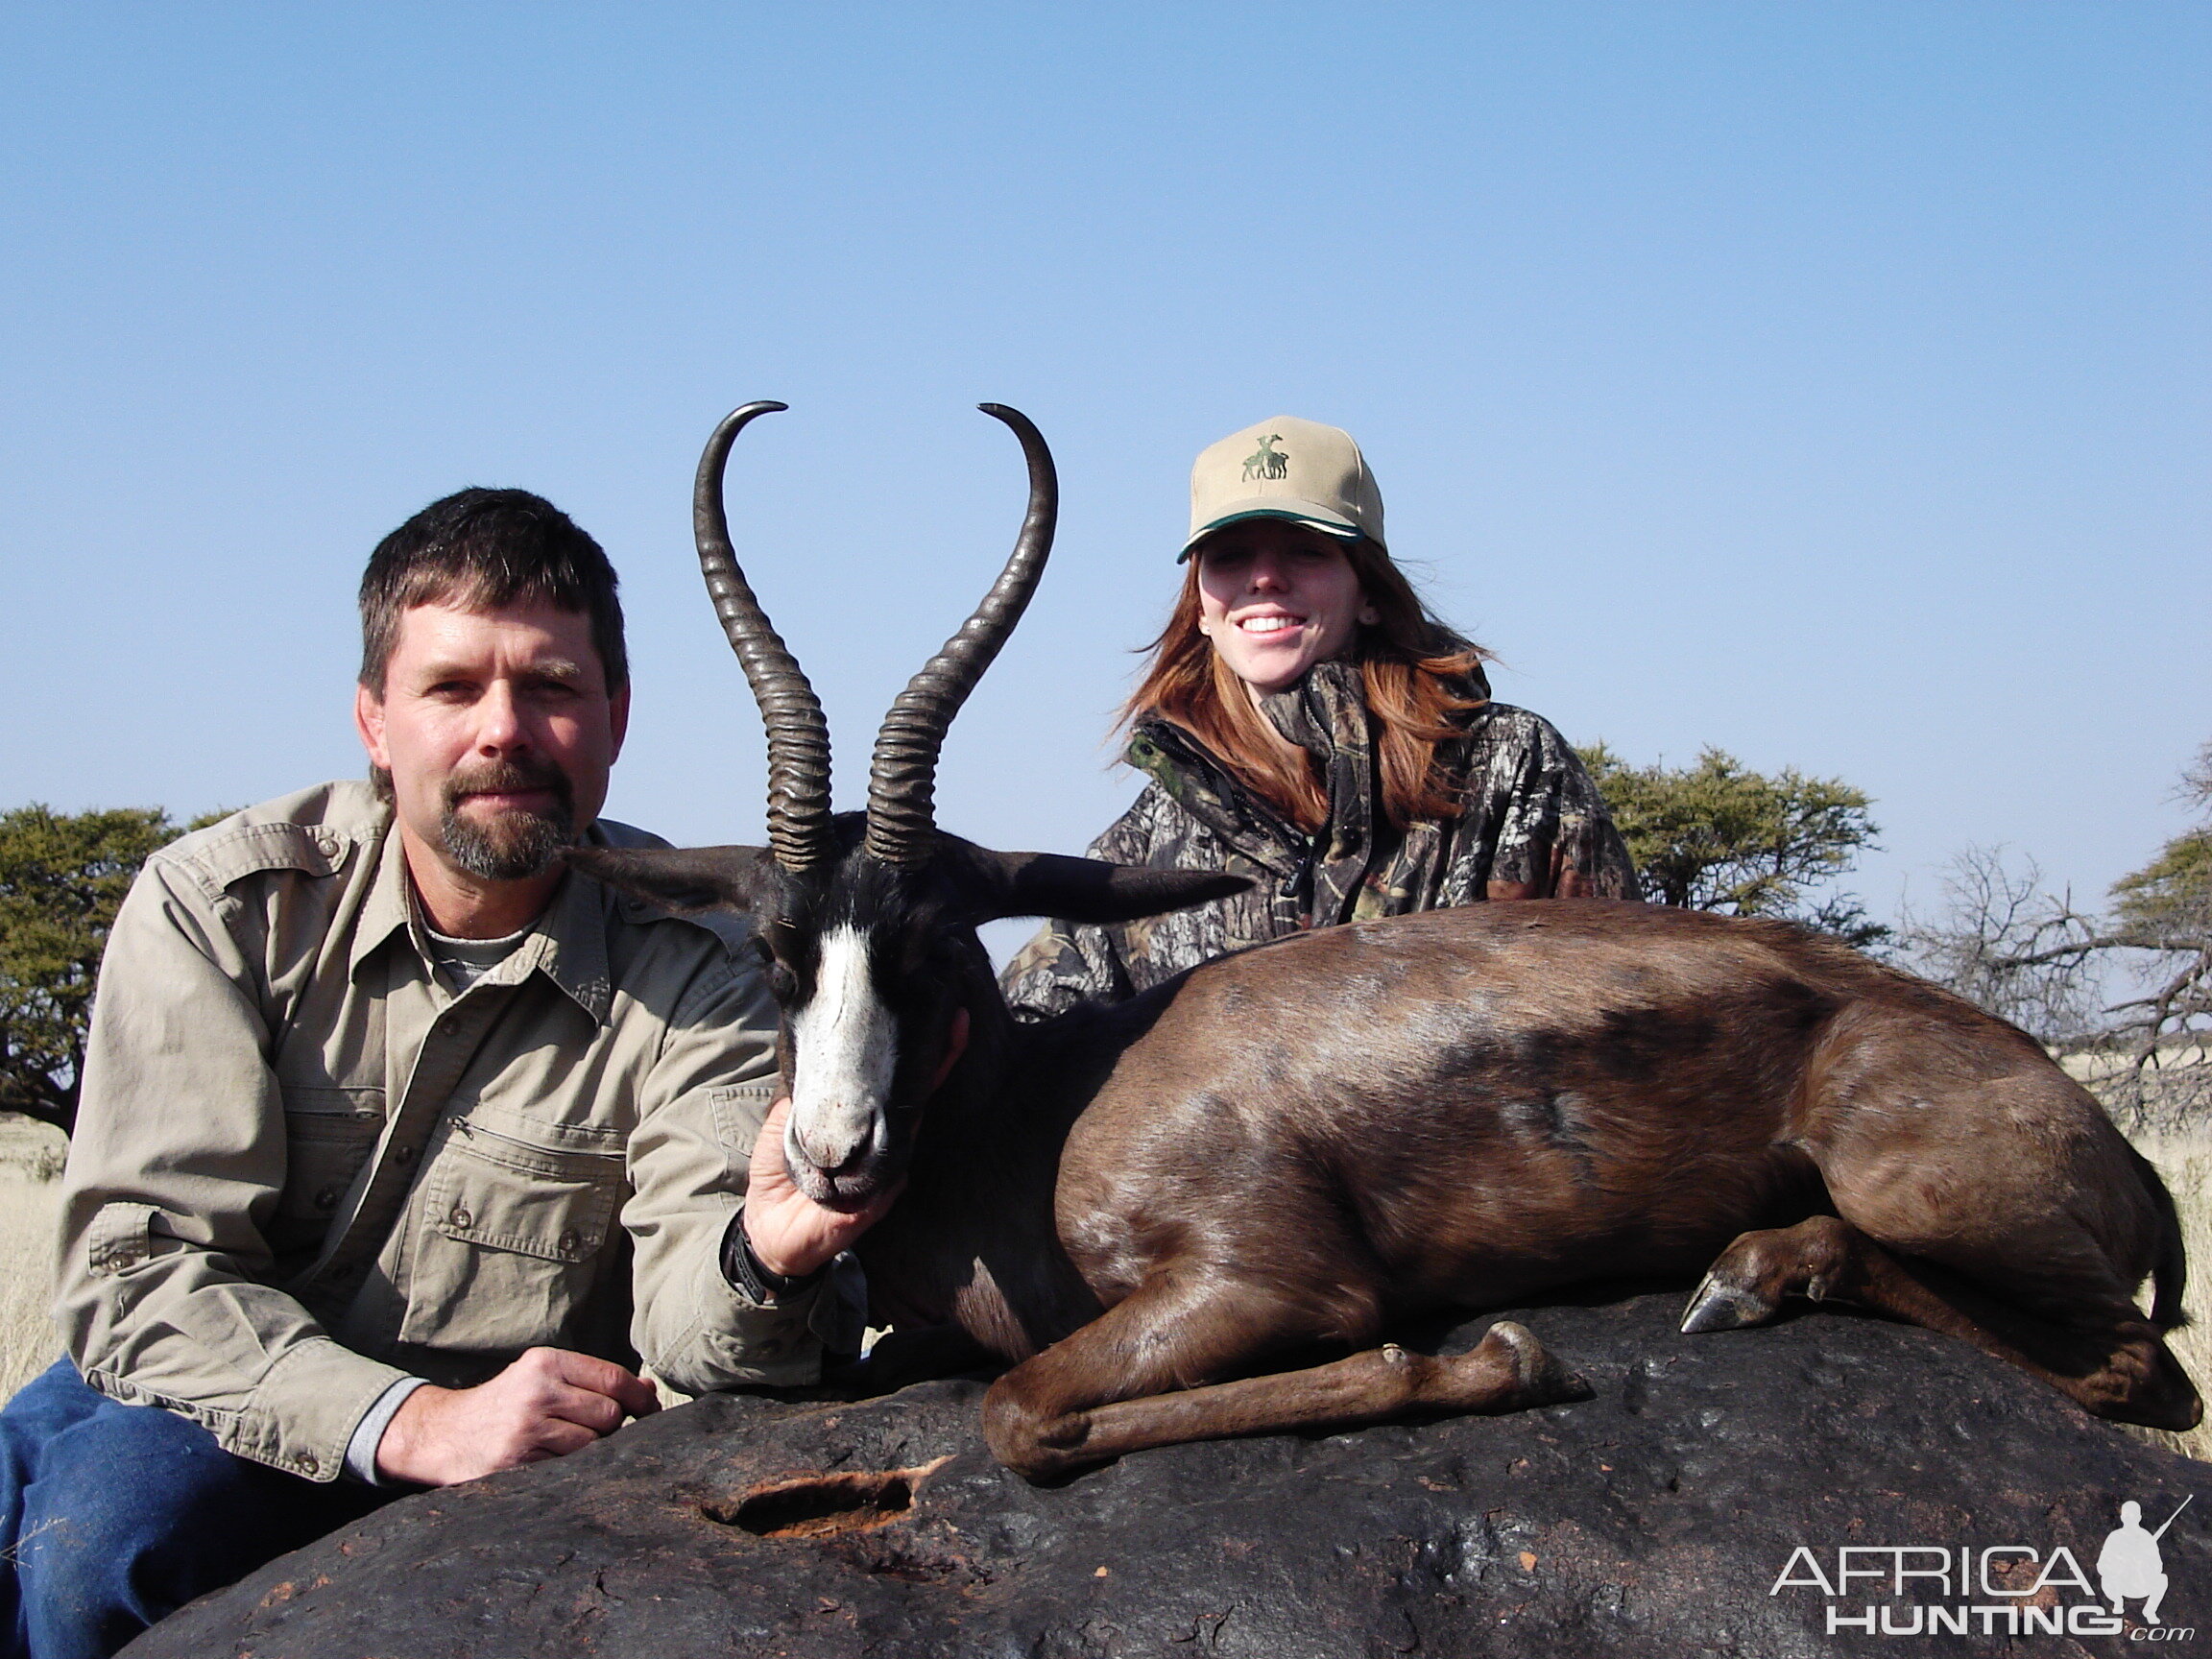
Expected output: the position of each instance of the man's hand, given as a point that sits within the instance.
(547, 1403)
(790, 1234)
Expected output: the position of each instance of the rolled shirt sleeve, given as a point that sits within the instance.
(368, 1436)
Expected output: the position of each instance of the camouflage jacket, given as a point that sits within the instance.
(1533, 827)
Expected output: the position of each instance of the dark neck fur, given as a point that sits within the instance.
(973, 1240)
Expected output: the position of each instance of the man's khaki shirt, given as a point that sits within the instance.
(303, 1169)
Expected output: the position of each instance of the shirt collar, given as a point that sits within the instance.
(384, 911)
(569, 945)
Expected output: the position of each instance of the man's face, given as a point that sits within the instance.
(499, 731)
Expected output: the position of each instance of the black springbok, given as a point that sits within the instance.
(1140, 1205)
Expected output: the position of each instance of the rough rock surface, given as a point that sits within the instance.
(1652, 1520)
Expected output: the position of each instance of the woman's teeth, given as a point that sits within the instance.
(1269, 624)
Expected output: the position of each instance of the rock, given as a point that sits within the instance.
(1655, 1519)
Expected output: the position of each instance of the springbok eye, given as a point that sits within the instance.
(781, 983)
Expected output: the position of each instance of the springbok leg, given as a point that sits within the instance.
(1136, 1378)
(2121, 1370)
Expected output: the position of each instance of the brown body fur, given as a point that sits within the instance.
(1464, 1109)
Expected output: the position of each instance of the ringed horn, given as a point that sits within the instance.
(903, 775)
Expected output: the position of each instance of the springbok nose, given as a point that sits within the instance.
(833, 1145)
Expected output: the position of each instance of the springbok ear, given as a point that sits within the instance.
(689, 878)
(1083, 889)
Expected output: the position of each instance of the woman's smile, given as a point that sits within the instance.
(1276, 598)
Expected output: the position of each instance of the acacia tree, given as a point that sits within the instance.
(2033, 957)
(2165, 910)
(61, 878)
(1720, 836)
(2005, 943)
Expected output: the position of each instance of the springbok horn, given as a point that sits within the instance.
(798, 734)
(903, 775)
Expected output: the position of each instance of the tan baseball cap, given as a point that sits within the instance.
(1285, 468)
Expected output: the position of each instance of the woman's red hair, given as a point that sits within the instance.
(1414, 670)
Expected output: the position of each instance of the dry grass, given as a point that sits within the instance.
(2185, 1161)
(31, 1155)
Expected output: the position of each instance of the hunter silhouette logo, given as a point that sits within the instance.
(1268, 461)
(2129, 1563)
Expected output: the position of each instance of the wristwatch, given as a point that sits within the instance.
(745, 1273)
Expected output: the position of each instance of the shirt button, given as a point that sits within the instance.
(403, 1155)
(461, 1217)
(568, 1241)
(305, 1464)
(326, 1199)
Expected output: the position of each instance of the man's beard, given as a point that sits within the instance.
(516, 843)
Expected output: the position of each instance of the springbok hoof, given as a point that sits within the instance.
(1717, 1306)
(1541, 1379)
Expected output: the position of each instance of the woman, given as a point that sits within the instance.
(1306, 722)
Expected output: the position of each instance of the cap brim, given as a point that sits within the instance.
(1307, 513)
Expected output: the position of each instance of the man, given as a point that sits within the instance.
(2129, 1564)
(399, 1144)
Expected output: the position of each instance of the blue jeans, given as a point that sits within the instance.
(112, 1516)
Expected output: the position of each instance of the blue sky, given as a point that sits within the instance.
(1824, 382)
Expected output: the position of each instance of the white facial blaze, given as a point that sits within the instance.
(845, 1045)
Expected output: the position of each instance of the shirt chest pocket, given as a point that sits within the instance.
(329, 1135)
(508, 1240)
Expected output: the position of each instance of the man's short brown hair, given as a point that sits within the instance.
(484, 549)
